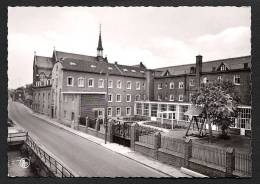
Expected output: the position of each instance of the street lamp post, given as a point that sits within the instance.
(106, 107)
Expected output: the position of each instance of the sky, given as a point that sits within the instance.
(156, 36)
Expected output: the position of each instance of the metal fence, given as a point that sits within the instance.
(52, 164)
(173, 144)
(243, 163)
(55, 166)
(209, 154)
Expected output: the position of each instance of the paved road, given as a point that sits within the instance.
(84, 157)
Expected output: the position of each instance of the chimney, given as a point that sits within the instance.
(115, 62)
(198, 70)
(149, 75)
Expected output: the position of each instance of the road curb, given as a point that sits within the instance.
(68, 129)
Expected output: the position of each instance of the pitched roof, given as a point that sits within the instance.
(64, 55)
(232, 63)
(43, 62)
(100, 67)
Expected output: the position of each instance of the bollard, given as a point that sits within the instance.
(87, 123)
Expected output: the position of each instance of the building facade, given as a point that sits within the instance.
(68, 86)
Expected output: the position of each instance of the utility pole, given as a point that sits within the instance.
(106, 107)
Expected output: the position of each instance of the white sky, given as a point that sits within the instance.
(158, 37)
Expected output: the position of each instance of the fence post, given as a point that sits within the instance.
(133, 135)
(87, 122)
(110, 130)
(230, 161)
(187, 152)
(157, 144)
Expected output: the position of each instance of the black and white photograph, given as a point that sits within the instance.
(151, 92)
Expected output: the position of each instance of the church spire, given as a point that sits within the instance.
(100, 48)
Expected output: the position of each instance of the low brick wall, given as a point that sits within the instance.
(170, 157)
(145, 149)
(207, 169)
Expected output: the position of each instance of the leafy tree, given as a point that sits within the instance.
(219, 100)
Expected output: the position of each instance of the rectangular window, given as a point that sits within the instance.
(171, 85)
(138, 87)
(190, 96)
(128, 111)
(90, 82)
(110, 97)
(171, 97)
(109, 111)
(219, 78)
(159, 97)
(119, 84)
(69, 81)
(138, 108)
(118, 98)
(181, 85)
(128, 85)
(65, 114)
(80, 82)
(191, 82)
(146, 109)
(118, 111)
(237, 79)
(110, 84)
(172, 108)
(154, 108)
(160, 86)
(101, 83)
(144, 85)
(128, 98)
(163, 107)
(137, 97)
(180, 98)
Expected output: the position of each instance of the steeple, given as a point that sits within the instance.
(100, 48)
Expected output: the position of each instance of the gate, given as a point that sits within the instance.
(121, 133)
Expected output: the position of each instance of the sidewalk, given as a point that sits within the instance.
(125, 151)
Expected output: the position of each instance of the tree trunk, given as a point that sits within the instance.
(210, 130)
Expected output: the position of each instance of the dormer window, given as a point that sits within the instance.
(71, 63)
(93, 66)
(192, 70)
(213, 68)
(133, 70)
(125, 70)
(110, 68)
(223, 67)
(141, 71)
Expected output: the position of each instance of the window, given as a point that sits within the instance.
(101, 83)
(137, 97)
(160, 86)
(237, 79)
(191, 82)
(190, 96)
(154, 108)
(138, 108)
(144, 97)
(171, 85)
(90, 82)
(171, 97)
(109, 111)
(119, 84)
(110, 84)
(65, 99)
(172, 108)
(65, 114)
(128, 111)
(128, 85)
(181, 85)
(110, 97)
(80, 82)
(118, 98)
(159, 97)
(128, 98)
(219, 78)
(69, 81)
(223, 67)
(138, 87)
(205, 80)
(146, 109)
(180, 98)
(118, 111)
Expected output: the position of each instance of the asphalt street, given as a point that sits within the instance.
(82, 156)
